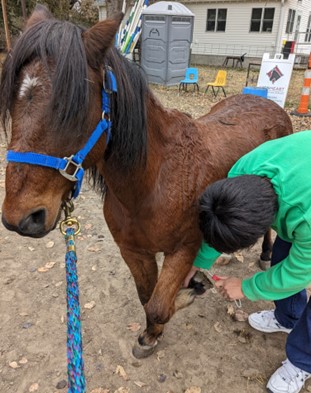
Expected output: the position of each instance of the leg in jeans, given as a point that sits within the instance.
(289, 310)
(298, 345)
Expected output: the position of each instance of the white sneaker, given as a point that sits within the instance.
(265, 321)
(287, 379)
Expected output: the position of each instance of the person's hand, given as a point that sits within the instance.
(230, 288)
(190, 275)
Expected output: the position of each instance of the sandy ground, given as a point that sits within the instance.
(203, 349)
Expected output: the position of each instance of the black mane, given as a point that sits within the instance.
(60, 43)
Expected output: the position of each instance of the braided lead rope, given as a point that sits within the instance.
(76, 380)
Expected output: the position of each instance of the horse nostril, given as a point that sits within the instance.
(34, 224)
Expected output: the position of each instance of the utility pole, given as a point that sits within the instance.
(6, 25)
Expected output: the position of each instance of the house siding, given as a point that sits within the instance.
(302, 8)
(237, 38)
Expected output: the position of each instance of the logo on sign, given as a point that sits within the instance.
(274, 74)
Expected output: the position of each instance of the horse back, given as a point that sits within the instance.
(252, 114)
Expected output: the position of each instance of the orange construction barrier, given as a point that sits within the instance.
(305, 94)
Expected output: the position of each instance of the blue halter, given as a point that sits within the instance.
(76, 160)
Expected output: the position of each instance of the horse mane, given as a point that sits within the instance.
(128, 146)
(127, 149)
(59, 46)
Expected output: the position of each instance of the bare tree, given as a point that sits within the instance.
(114, 6)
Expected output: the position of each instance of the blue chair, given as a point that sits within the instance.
(256, 91)
(191, 78)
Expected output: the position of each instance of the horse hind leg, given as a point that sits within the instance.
(266, 250)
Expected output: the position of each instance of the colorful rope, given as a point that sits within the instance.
(76, 380)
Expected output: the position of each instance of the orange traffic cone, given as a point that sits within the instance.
(305, 94)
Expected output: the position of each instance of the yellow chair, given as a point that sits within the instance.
(220, 83)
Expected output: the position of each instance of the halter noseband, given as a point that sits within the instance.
(75, 160)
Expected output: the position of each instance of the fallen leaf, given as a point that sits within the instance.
(240, 316)
(193, 389)
(239, 257)
(46, 267)
(49, 265)
(120, 371)
(122, 390)
(43, 269)
(160, 354)
(95, 248)
(90, 305)
(218, 327)
(134, 326)
(230, 309)
(49, 244)
(14, 365)
(33, 388)
(140, 384)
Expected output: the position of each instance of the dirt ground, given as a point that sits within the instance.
(203, 350)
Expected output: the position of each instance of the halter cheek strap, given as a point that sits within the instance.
(76, 160)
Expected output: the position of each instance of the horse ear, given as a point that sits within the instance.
(39, 13)
(99, 38)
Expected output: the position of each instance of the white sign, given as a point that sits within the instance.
(275, 75)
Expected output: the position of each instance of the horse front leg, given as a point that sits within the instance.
(168, 296)
(144, 270)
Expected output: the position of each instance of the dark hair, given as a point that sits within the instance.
(236, 212)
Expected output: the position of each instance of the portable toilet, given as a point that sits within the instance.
(167, 30)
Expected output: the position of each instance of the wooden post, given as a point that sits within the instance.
(6, 25)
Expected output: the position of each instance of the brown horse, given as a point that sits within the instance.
(151, 172)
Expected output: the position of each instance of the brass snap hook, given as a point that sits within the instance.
(69, 221)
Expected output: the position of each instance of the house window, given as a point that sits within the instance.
(308, 31)
(216, 19)
(290, 21)
(262, 20)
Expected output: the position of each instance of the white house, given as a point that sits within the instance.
(235, 27)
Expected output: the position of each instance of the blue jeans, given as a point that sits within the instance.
(294, 313)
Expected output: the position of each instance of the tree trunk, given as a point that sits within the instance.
(6, 25)
(24, 12)
(113, 6)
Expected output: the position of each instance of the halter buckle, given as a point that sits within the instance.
(73, 176)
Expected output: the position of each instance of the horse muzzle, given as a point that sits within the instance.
(33, 225)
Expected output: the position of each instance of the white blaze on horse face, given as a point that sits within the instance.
(27, 84)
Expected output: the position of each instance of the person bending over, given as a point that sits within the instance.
(268, 187)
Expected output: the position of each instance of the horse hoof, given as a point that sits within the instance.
(143, 351)
(264, 265)
(200, 283)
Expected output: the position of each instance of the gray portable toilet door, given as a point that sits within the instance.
(179, 41)
(154, 47)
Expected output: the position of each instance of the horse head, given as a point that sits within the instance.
(50, 104)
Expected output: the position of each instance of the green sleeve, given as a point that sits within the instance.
(284, 279)
(206, 256)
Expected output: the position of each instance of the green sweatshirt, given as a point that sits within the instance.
(287, 163)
